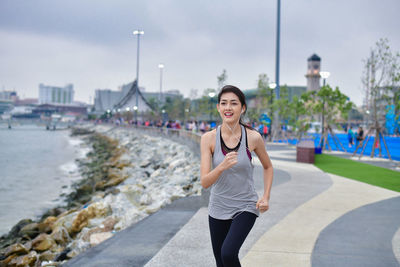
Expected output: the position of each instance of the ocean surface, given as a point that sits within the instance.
(36, 166)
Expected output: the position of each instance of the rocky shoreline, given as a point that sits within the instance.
(127, 175)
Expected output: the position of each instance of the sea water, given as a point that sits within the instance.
(36, 167)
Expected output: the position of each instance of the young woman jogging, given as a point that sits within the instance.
(226, 166)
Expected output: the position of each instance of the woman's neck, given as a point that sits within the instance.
(231, 128)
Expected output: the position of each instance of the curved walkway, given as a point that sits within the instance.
(365, 237)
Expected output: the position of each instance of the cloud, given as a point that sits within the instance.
(90, 43)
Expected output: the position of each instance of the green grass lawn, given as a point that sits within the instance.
(359, 171)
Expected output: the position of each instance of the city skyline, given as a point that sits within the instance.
(90, 44)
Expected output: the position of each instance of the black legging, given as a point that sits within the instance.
(227, 236)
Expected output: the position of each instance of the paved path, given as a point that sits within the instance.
(315, 219)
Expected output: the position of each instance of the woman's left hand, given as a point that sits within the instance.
(262, 205)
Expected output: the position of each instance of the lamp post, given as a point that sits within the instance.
(161, 67)
(272, 86)
(324, 75)
(277, 62)
(138, 33)
(211, 95)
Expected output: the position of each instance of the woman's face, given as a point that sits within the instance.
(230, 107)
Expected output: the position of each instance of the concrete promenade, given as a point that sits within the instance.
(315, 219)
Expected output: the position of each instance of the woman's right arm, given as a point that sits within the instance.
(207, 176)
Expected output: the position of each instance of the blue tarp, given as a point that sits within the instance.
(393, 144)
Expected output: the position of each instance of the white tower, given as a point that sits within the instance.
(313, 76)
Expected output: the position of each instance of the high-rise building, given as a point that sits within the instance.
(56, 95)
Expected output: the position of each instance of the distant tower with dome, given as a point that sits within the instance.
(313, 76)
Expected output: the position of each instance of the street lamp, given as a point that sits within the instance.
(138, 33)
(324, 75)
(161, 67)
(211, 95)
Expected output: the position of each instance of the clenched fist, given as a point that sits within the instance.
(262, 205)
(229, 160)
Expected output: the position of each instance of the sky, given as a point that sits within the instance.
(90, 44)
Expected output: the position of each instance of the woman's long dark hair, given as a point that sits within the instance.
(240, 95)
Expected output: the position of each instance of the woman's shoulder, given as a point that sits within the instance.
(252, 133)
(208, 136)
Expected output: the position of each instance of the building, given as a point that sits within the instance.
(313, 76)
(56, 95)
(8, 95)
(125, 98)
(105, 99)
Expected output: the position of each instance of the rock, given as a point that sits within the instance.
(60, 235)
(26, 260)
(176, 163)
(82, 218)
(114, 181)
(43, 242)
(17, 249)
(30, 230)
(145, 199)
(77, 246)
(63, 255)
(97, 238)
(122, 164)
(65, 220)
(8, 260)
(156, 173)
(109, 223)
(114, 191)
(145, 163)
(47, 224)
(16, 228)
(47, 256)
(84, 235)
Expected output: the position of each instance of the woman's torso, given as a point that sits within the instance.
(234, 190)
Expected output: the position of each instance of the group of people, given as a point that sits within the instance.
(357, 136)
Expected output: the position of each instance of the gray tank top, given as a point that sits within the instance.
(234, 190)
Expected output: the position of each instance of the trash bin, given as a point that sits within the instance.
(305, 151)
(318, 150)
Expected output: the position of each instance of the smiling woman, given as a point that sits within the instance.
(234, 204)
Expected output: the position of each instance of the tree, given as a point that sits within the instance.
(281, 105)
(330, 105)
(207, 103)
(265, 96)
(380, 78)
(298, 119)
(222, 79)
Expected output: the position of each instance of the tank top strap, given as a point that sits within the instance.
(218, 141)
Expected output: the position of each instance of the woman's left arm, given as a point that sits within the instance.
(268, 172)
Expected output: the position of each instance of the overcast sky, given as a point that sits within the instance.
(90, 43)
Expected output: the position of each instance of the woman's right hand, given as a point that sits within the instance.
(229, 160)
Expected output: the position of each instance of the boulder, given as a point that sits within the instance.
(97, 238)
(26, 260)
(43, 242)
(6, 261)
(82, 218)
(47, 256)
(109, 223)
(17, 249)
(60, 235)
(30, 230)
(47, 224)
(16, 228)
